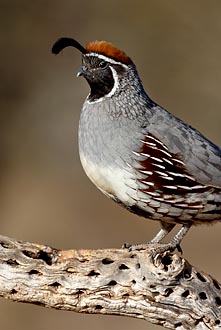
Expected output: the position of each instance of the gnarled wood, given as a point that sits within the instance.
(166, 291)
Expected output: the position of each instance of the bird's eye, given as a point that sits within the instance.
(102, 64)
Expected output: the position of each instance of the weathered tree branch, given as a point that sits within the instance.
(166, 291)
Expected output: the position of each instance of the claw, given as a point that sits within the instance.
(126, 246)
(162, 248)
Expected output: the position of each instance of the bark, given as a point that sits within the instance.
(164, 290)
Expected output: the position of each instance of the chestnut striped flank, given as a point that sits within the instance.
(109, 50)
(166, 176)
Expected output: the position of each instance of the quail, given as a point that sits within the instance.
(137, 153)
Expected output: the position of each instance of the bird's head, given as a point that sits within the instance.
(103, 66)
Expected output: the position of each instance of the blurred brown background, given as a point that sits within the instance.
(44, 195)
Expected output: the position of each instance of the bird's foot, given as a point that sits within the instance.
(156, 248)
(155, 244)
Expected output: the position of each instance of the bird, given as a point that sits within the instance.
(139, 154)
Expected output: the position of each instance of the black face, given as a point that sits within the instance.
(98, 74)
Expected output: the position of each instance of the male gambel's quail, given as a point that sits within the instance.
(137, 153)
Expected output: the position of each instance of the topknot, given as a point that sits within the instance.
(109, 50)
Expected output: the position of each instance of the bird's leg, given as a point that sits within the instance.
(176, 240)
(166, 228)
(174, 243)
(171, 246)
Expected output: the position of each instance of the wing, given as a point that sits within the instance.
(165, 172)
(198, 157)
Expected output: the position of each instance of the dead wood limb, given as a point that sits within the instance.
(166, 291)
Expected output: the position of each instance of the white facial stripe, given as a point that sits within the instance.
(107, 59)
(116, 82)
(111, 93)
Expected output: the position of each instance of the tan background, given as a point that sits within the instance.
(45, 196)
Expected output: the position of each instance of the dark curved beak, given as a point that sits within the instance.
(82, 71)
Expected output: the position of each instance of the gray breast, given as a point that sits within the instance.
(106, 151)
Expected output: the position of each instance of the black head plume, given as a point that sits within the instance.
(64, 42)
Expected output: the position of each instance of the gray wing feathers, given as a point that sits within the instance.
(201, 157)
